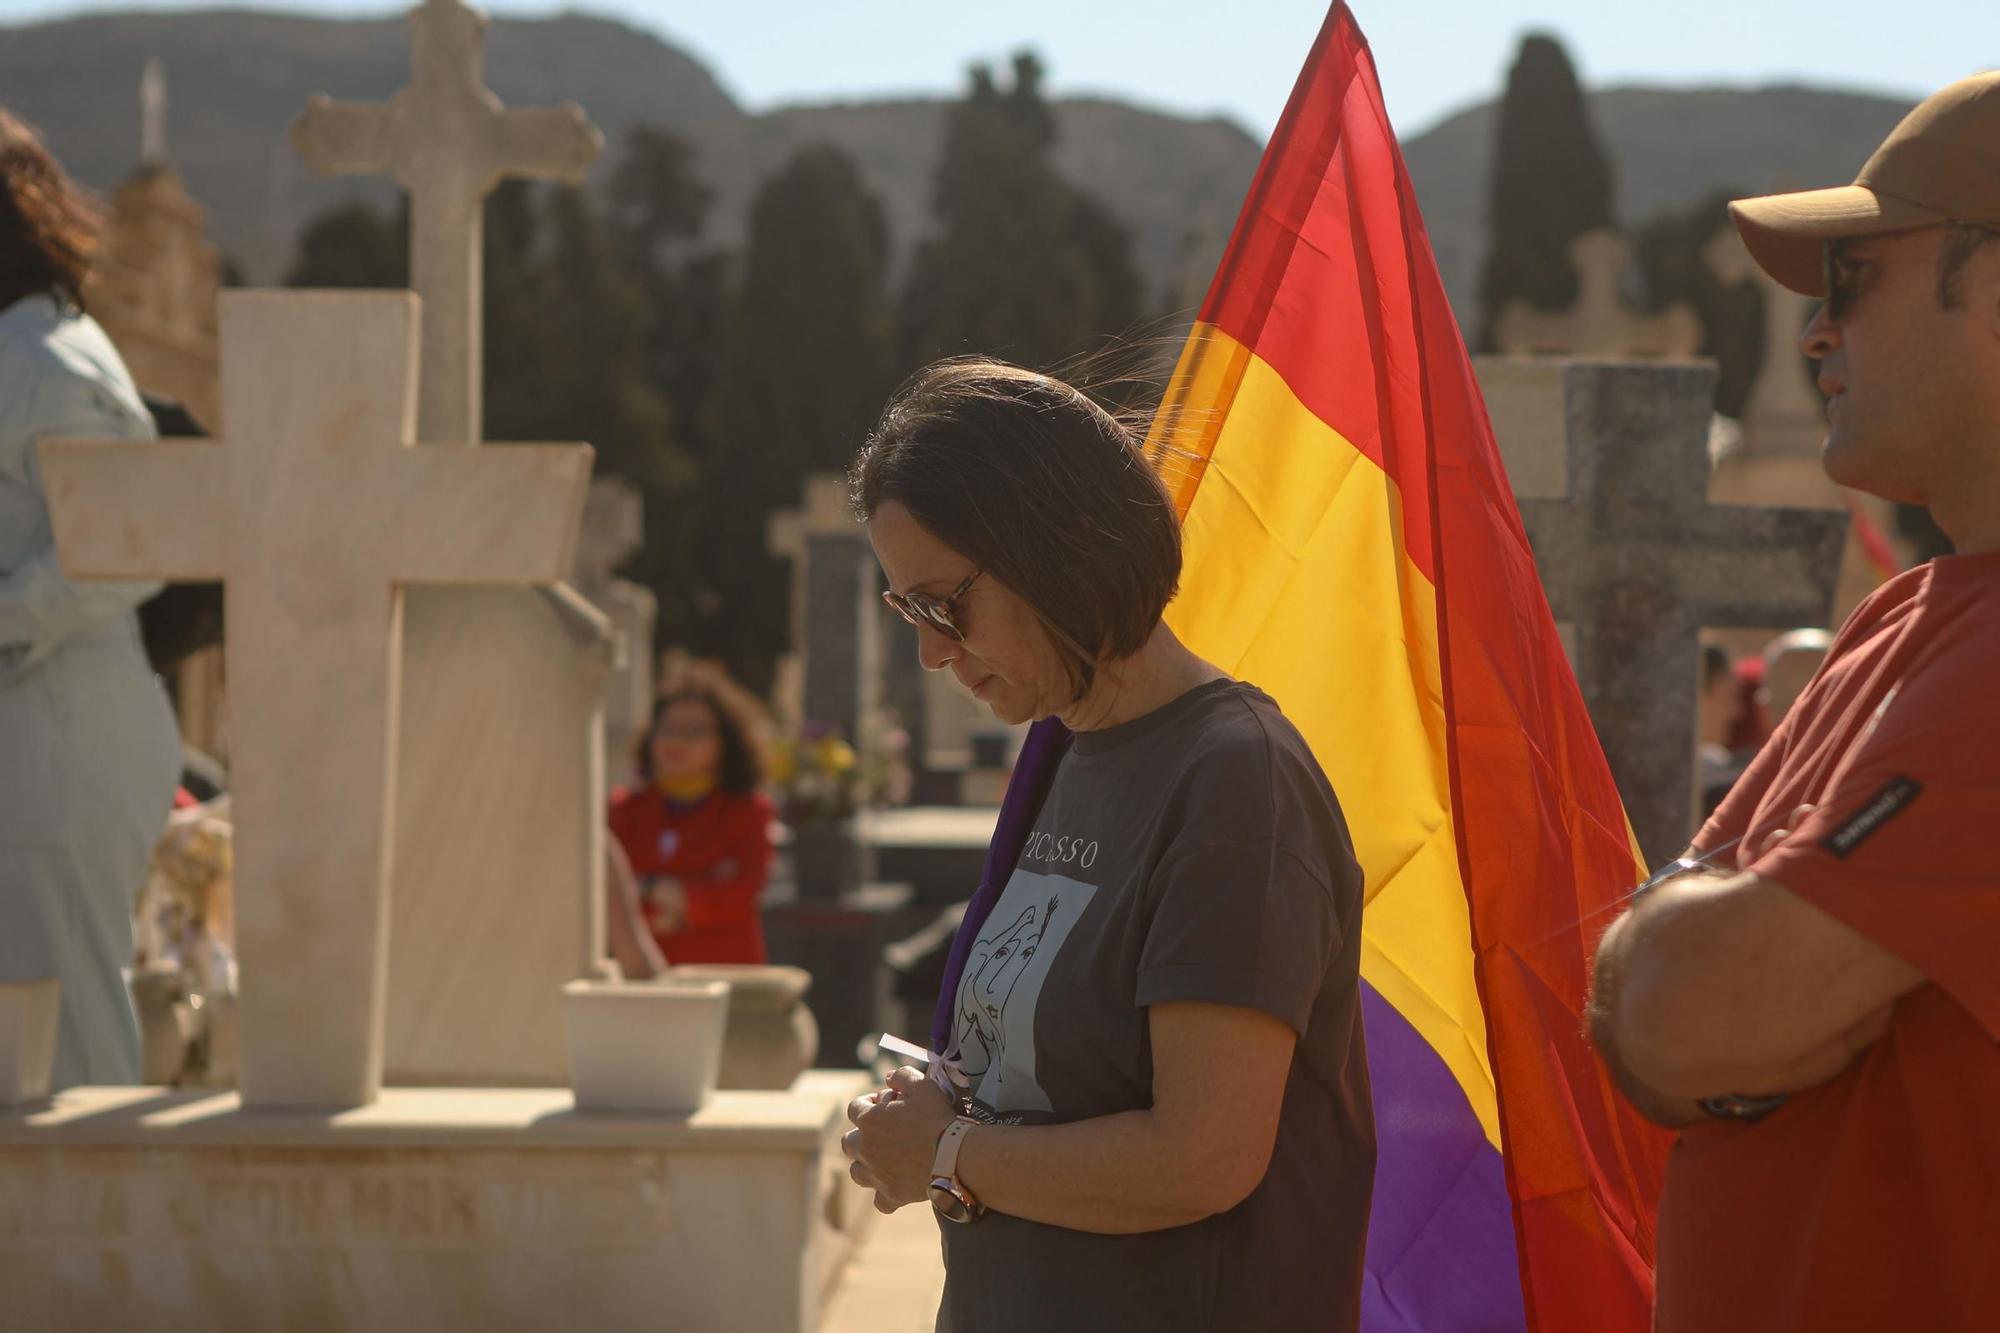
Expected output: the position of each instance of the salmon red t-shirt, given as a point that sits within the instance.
(720, 850)
(1873, 1201)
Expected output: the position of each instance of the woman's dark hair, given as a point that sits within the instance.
(737, 724)
(1041, 488)
(48, 225)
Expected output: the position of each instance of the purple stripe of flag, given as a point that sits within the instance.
(1441, 1234)
(1034, 769)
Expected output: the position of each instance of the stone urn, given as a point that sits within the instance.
(771, 1037)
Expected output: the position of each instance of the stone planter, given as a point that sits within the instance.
(27, 1039)
(771, 1037)
(645, 1046)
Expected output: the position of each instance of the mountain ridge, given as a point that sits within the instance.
(1175, 181)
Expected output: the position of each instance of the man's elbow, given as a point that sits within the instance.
(1655, 1015)
(1665, 1032)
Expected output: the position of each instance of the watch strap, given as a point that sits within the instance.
(944, 1167)
(945, 1164)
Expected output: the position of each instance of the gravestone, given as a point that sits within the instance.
(839, 628)
(838, 618)
(447, 141)
(857, 656)
(499, 832)
(1600, 323)
(1776, 457)
(320, 391)
(1609, 463)
(1784, 414)
(503, 836)
(614, 527)
(312, 1200)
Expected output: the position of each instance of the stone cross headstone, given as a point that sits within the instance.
(498, 889)
(314, 513)
(614, 526)
(505, 729)
(447, 140)
(1777, 457)
(1609, 463)
(837, 611)
(1785, 413)
(1600, 323)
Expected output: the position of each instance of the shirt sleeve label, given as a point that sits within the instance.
(1881, 808)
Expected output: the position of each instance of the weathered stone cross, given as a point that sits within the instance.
(314, 513)
(446, 139)
(1637, 562)
(1599, 323)
(1785, 413)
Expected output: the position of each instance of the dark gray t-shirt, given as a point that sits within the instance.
(1194, 854)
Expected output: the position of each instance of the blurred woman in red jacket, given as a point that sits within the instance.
(697, 826)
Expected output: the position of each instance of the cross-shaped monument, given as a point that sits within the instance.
(314, 513)
(1785, 413)
(1609, 463)
(447, 140)
(1600, 323)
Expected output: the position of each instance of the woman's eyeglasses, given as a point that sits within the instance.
(927, 612)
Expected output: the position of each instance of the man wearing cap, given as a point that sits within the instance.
(1818, 1008)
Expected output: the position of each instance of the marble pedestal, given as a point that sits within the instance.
(433, 1209)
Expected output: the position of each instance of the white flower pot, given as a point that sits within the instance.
(27, 1039)
(645, 1045)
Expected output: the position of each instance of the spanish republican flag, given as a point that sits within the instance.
(1353, 547)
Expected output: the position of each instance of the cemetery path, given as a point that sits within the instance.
(893, 1283)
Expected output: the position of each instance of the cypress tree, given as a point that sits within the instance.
(1551, 183)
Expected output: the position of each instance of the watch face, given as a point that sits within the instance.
(949, 1205)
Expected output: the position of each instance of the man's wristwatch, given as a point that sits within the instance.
(1745, 1109)
(953, 1201)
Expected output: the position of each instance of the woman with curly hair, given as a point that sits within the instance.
(92, 753)
(696, 827)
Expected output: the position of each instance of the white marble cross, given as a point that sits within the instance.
(1785, 413)
(447, 140)
(314, 513)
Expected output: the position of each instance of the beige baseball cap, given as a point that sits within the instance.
(1942, 164)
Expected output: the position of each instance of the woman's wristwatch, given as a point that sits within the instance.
(953, 1201)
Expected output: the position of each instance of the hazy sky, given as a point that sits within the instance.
(1187, 56)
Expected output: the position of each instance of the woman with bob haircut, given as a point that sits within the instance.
(1165, 1120)
(89, 753)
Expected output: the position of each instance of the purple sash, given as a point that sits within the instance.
(1047, 741)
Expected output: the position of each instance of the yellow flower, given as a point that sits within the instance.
(836, 755)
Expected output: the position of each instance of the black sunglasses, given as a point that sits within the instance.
(927, 612)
